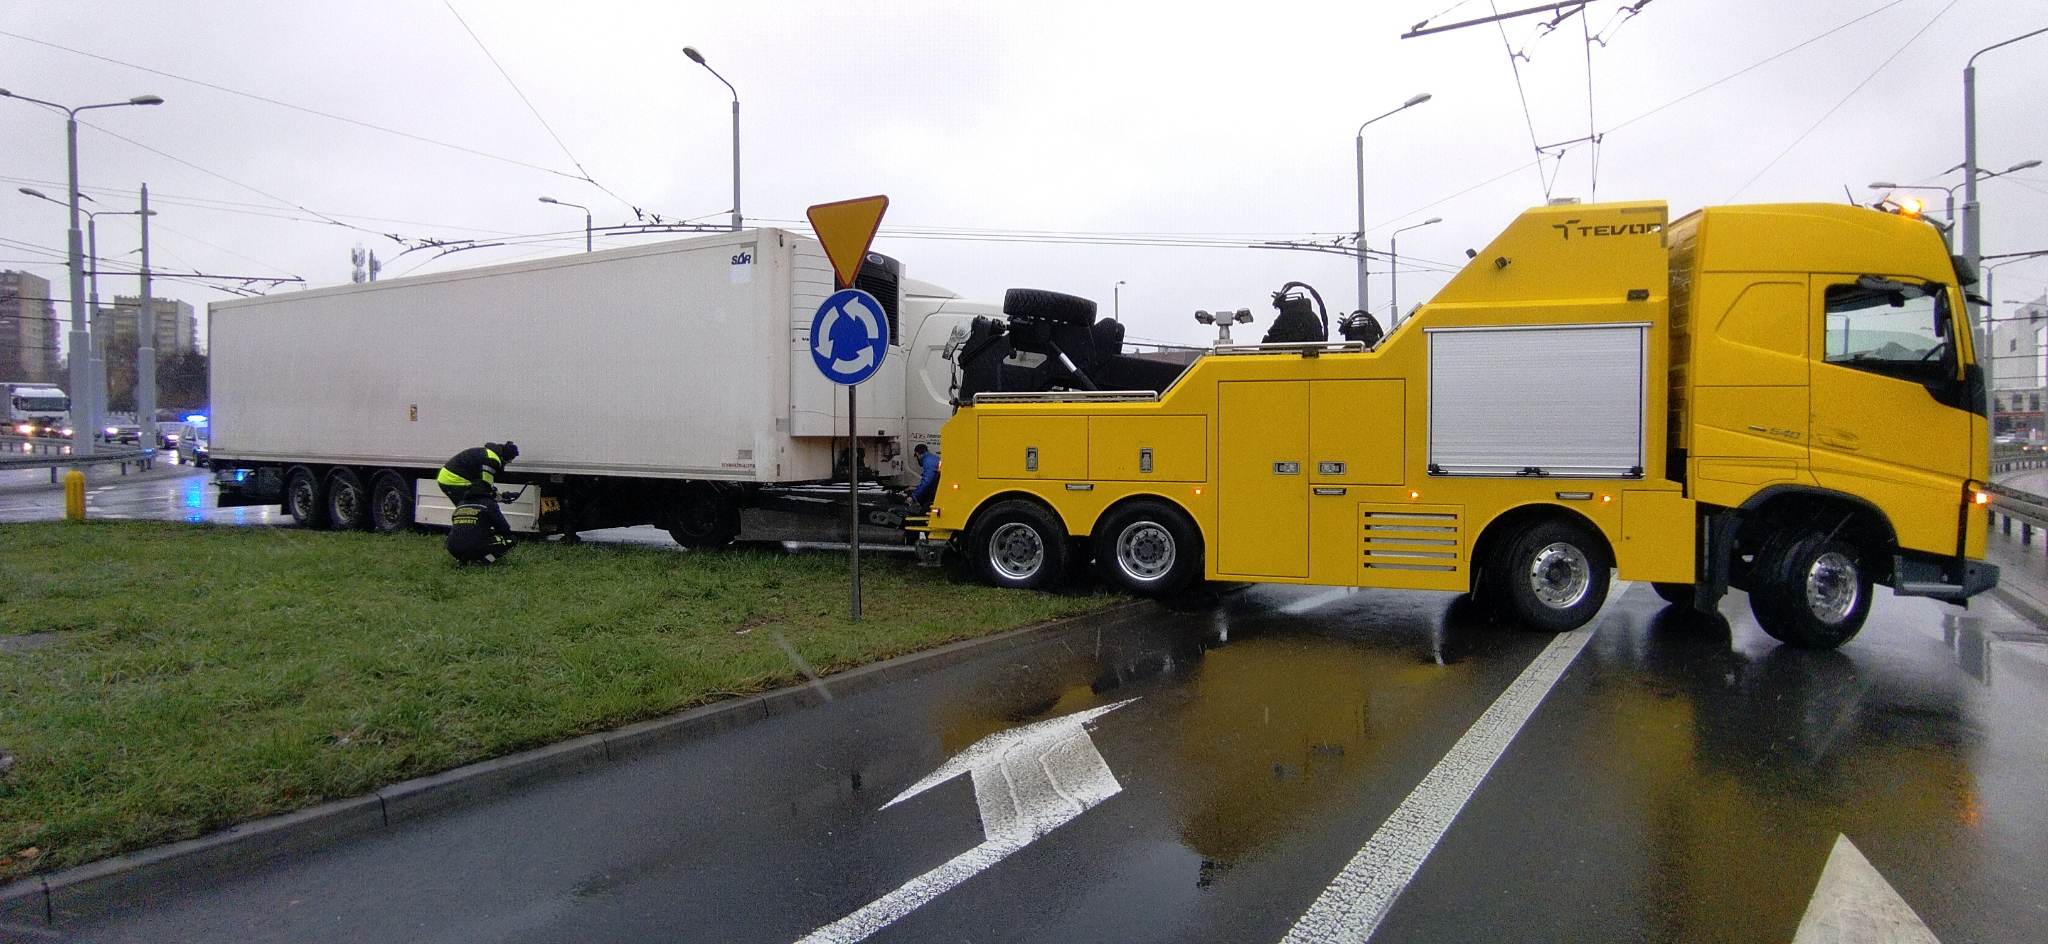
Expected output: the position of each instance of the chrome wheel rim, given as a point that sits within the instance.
(347, 503)
(1560, 576)
(302, 500)
(1145, 551)
(1832, 587)
(1016, 551)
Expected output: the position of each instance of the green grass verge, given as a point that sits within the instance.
(207, 676)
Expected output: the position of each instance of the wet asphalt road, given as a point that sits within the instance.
(1683, 781)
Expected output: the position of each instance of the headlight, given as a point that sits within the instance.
(66, 431)
(25, 429)
(111, 431)
(170, 437)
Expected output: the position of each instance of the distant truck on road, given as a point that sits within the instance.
(35, 409)
(1782, 399)
(669, 384)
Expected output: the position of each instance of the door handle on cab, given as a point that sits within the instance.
(1834, 439)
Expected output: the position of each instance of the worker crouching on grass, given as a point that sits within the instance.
(475, 467)
(479, 532)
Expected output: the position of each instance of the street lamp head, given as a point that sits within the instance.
(1881, 185)
(2023, 165)
(549, 200)
(146, 100)
(1433, 219)
(1417, 100)
(695, 56)
(33, 192)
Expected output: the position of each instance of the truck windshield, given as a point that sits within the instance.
(56, 404)
(1890, 328)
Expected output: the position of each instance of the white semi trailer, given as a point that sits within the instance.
(670, 384)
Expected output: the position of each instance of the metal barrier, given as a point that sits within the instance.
(2031, 510)
(2017, 463)
(38, 453)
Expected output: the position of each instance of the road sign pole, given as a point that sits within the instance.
(844, 230)
(853, 493)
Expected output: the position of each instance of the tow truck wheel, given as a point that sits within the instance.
(304, 498)
(390, 503)
(1148, 548)
(1554, 576)
(1018, 544)
(1809, 590)
(348, 501)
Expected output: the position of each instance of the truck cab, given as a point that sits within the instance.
(37, 410)
(1782, 399)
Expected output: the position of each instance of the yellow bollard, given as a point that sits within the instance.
(74, 495)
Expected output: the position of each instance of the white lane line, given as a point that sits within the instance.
(1351, 908)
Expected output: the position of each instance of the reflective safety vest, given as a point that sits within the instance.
(469, 465)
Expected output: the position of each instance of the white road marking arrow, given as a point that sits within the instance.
(1853, 904)
(1028, 781)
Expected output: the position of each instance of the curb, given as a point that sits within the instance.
(39, 900)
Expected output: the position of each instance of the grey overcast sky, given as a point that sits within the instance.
(1220, 123)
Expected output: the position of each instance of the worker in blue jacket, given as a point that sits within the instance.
(928, 480)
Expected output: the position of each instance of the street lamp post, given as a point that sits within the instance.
(1949, 234)
(145, 346)
(1116, 310)
(79, 340)
(1394, 271)
(93, 400)
(1359, 143)
(698, 58)
(1973, 225)
(586, 217)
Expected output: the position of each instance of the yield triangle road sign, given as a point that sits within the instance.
(846, 228)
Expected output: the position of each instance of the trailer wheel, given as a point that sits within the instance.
(1676, 594)
(305, 499)
(1034, 304)
(703, 518)
(1554, 575)
(1148, 548)
(348, 501)
(1018, 544)
(391, 497)
(1810, 591)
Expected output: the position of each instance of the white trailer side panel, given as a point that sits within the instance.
(669, 360)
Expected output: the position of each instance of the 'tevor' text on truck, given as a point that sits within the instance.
(1782, 399)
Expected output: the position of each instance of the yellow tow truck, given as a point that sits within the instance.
(1779, 398)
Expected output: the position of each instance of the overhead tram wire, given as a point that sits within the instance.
(536, 112)
(423, 139)
(1745, 70)
(1522, 93)
(1803, 135)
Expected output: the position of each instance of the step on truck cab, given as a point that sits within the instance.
(1783, 399)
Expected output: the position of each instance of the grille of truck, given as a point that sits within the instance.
(882, 277)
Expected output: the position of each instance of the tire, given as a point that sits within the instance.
(1040, 305)
(1018, 544)
(1148, 548)
(1810, 591)
(1676, 594)
(703, 518)
(305, 497)
(1553, 576)
(348, 501)
(391, 503)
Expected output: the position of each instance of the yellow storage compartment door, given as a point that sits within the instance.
(1356, 431)
(1262, 497)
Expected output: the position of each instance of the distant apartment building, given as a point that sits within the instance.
(2019, 370)
(177, 325)
(28, 329)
